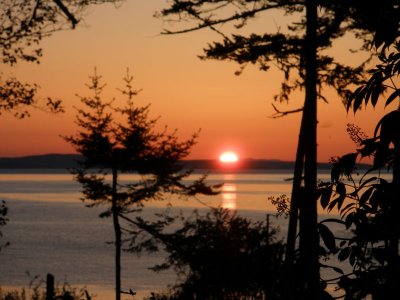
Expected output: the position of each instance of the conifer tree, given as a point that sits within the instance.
(116, 140)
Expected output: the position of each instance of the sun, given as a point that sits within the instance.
(228, 157)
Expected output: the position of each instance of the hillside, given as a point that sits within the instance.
(68, 161)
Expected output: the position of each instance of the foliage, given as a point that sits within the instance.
(368, 207)
(117, 140)
(364, 207)
(300, 51)
(284, 48)
(36, 291)
(380, 82)
(282, 204)
(219, 255)
(23, 25)
(16, 97)
(130, 145)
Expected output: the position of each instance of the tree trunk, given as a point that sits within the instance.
(309, 240)
(290, 278)
(117, 235)
(304, 278)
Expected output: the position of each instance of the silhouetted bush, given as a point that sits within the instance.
(217, 256)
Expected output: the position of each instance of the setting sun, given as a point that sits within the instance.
(228, 157)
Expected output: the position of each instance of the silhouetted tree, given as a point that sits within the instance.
(23, 25)
(369, 210)
(298, 51)
(219, 255)
(370, 206)
(115, 140)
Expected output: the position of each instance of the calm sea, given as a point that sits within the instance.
(51, 231)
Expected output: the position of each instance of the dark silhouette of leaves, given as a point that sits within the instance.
(327, 236)
(219, 255)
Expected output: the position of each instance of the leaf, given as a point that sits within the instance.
(344, 253)
(341, 189)
(340, 201)
(349, 220)
(376, 91)
(392, 97)
(347, 208)
(367, 181)
(352, 259)
(390, 124)
(338, 270)
(344, 165)
(332, 204)
(353, 96)
(326, 196)
(335, 172)
(327, 236)
(358, 99)
(348, 162)
(369, 147)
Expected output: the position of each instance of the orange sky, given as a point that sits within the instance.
(232, 111)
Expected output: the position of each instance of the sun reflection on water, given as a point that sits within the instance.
(229, 196)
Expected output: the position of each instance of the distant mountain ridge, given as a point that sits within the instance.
(69, 161)
(45, 161)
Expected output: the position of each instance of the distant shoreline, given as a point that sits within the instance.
(67, 162)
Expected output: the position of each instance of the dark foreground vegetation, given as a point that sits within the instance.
(40, 289)
(217, 256)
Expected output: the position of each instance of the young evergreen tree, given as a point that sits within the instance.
(116, 140)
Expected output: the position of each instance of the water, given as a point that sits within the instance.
(51, 231)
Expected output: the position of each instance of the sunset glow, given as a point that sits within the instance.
(230, 110)
(228, 157)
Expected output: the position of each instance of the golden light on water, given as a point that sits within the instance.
(229, 196)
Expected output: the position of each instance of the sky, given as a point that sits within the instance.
(233, 112)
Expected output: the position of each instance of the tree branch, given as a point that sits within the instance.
(279, 114)
(65, 10)
(210, 23)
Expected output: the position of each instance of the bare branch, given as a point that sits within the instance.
(65, 10)
(279, 113)
(209, 23)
